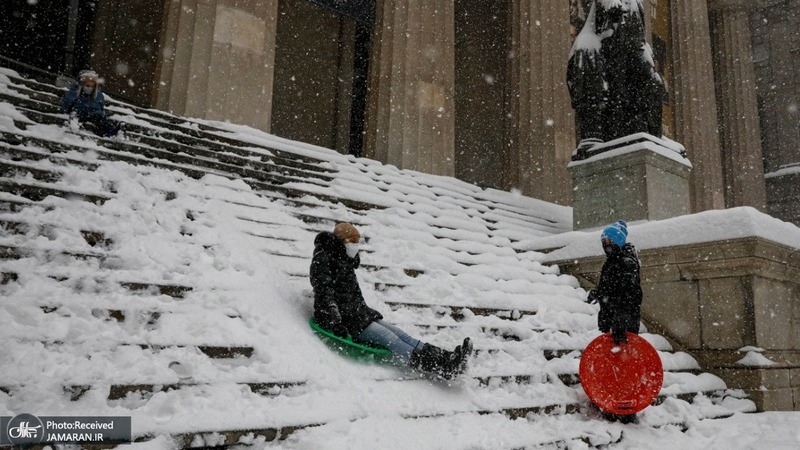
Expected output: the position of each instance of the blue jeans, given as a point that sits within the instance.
(384, 334)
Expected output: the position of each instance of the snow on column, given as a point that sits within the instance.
(541, 124)
(411, 120)
(695, 103)
(738, 109)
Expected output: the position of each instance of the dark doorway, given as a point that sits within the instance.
(321, 67)
(53, 36)
(126, 47)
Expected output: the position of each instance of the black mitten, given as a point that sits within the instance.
(339, 330)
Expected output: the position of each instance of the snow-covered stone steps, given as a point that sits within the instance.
(448, 206)
(405, 278)
(195, 166)
(36, 191)
(513, 308)
(191, 157)
(24, 101)
(139, 155)
(245, 165)
(15, 225)
(468, 197)
(542, 431)
(209, 134)
(19, 152)
(460, 313)
(443, 236)
(36, 91)
(98, 363)
(12, 203)
(190, 163)
(432, 239)
(11, 251)
(144, 391)
(515, 404)
(449, 257)
(113, 155)
(247, 168)
(12, 169)
(281, 411)
(564, 366)
(509, 315)
(553, 426)
(682, 381)
(271, 389)
(95, 248)
(177, 142)
(443, 241)
(35, 180)
(148, 325)
(675, 384)
(514, 312)
(12, 272)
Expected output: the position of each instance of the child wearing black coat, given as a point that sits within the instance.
(619, 291)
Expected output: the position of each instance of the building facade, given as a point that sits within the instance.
(473, 88)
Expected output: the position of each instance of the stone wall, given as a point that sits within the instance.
(720, 300)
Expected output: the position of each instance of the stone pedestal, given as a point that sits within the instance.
(635, 178)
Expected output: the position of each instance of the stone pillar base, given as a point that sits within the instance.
(638, 177)
(773, 387)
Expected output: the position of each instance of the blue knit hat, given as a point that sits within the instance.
(617, 233)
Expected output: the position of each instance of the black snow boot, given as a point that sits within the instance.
(427, 359)
(461, 356)
(621, 418)
(440, 362)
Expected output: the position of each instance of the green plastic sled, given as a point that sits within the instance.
(349, 348)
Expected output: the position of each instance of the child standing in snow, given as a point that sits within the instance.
(619, 291)
(339, 307)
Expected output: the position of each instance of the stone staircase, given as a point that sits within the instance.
(146, 318)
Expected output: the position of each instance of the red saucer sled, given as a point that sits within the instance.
(622, 379)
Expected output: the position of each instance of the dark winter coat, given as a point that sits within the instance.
(619, 293)
(337, 295)
(87, 107)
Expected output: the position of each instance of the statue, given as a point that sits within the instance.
(615, 88)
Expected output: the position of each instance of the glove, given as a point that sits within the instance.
(593, 297)
(340, 330)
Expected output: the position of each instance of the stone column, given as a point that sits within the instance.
(742, 160)
(695, 101)
(217, 60)
(540, 119)
(410, 115)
